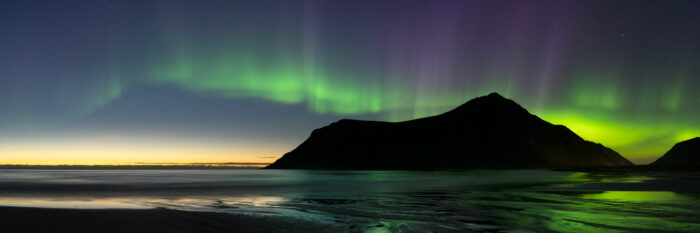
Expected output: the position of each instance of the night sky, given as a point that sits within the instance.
(121, 82)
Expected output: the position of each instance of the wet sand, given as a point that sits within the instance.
(45, 220)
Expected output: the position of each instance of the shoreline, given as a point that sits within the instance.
(44, 220)
(126, 167)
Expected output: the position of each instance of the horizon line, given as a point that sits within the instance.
(147, 164)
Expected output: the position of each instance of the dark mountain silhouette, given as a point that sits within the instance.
(683, 154)
(486, 132)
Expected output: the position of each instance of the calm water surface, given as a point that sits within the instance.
(386, 201)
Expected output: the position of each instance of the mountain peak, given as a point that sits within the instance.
(491, 103)
(495, 95)
(486, 132)
(492, 99)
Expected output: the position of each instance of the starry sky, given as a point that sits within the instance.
(125, 82)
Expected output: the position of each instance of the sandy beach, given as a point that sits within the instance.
(45, 220)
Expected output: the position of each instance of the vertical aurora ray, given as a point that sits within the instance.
(586, 65)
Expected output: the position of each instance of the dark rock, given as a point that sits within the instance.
(684, 154)
(486, 132)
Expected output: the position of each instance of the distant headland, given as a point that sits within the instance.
(488, 132)
(685, 154)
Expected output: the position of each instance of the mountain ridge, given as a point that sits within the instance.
(486, 132)
(683, 154)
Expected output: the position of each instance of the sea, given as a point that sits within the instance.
(385, 201)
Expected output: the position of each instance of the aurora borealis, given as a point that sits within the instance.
(105, 82)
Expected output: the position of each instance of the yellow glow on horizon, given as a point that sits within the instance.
(133, 154)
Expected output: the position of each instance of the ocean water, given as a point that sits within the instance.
(386, 201)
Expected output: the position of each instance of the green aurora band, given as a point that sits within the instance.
(592, 109)
(562, 61)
